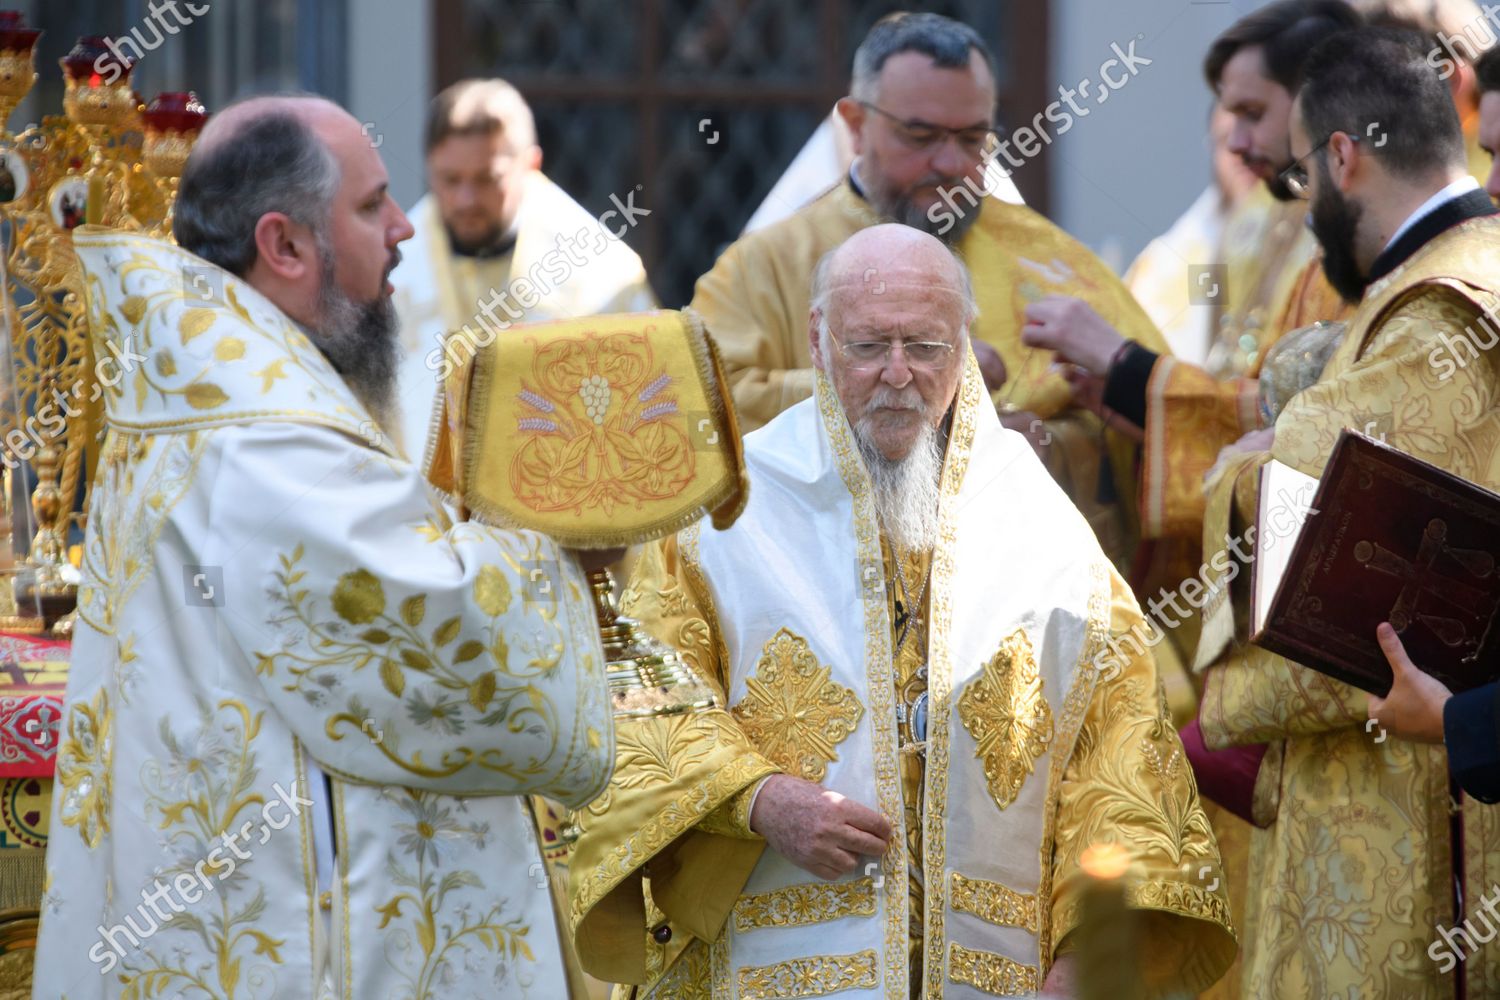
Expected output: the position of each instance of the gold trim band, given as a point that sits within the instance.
(805, 903)
(815, 976)
(994, 902)
(994, 974)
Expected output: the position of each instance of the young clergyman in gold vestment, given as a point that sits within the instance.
(1361, 866)
(923, 729)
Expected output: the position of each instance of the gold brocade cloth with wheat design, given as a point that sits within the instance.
(599, 432)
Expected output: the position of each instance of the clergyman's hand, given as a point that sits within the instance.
(1062, 978)
(1070, 327)
(815, 829)
(1260, 440)
(991, 365)
(1033, 428)
(1088, 394)
(1413, 710)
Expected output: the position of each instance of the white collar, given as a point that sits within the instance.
(1462, 186)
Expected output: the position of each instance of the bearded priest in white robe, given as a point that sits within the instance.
(924, 728)
(304, 710)
(497, 243)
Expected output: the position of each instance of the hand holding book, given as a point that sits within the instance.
(1413, 710)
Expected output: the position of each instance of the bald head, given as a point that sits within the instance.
(886, 255)
(288, 193)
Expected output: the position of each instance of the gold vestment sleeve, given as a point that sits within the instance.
(1130, 782)
(672, 776)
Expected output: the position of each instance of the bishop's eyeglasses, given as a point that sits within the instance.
(868, 355)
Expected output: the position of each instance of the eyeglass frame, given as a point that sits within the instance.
(1296, 178)
(941, 132)
(890, 345)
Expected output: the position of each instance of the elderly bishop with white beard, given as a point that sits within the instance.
(923, 730)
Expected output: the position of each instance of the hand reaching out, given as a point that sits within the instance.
(1074, 330)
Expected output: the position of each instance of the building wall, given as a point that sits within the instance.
(1122, 175)
(390, 82)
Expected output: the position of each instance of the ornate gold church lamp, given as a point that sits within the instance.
(602, 433)
(85, 166)
(173, 121)
(99, 99)
(17, 69)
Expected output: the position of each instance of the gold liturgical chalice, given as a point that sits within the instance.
(601, 432)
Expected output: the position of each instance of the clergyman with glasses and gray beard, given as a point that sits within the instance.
(291, 763)
(921, 116)
(905, 626)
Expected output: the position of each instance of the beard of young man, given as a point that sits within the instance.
(1335, 220)
(906, 489)
(360, 340)
(898, 206)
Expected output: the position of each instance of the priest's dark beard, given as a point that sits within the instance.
(906, 489)
(360, 341)
(897, 206)
(1335, 220)
(481, 247)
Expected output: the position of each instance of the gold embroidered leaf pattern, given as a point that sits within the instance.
(414, 609)
(205, 396)
(229, 349)
(448, 631)
(84, 762)
(491, 590)
(194, 322)
(481, 691)
(794, 711)
(392, 677)
(133, 308)
(656, 751)
(1005, 712)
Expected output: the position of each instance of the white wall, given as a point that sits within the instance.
(390, 83)
(1122, 175)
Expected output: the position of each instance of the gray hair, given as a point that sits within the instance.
(822, 286)
(946, 41)
(274, 163)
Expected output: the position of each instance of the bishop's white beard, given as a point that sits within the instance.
(906, 490)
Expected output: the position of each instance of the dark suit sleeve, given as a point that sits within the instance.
(1471, 729)
(1125, 385)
